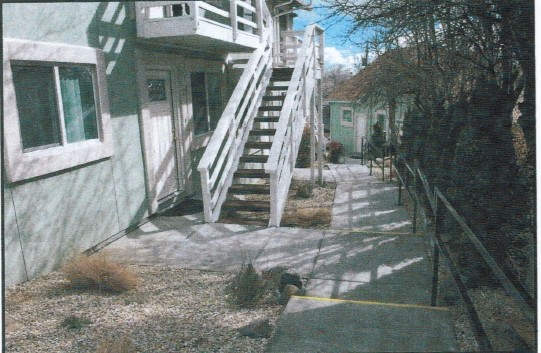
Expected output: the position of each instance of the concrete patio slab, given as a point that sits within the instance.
(370, 207)
(361, 327)
(216, 247)
(293, 248)
(377, 267)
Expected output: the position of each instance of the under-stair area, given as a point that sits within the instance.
(248, 198)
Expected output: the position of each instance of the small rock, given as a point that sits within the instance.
(292, 279)
(288, 291)
(257, 329)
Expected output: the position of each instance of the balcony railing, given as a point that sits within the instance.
(236, 22)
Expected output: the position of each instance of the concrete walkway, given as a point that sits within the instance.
(367, 279)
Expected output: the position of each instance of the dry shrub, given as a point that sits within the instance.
(99, 272)
(116, 345)
(307, 217)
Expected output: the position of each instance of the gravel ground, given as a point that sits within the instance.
(172, 310)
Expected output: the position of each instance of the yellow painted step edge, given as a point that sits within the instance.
(367, 302)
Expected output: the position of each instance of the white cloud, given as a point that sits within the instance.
(346, 58)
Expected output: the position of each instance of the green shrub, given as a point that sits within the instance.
(247, 288)
(73, 322)
(303, 157)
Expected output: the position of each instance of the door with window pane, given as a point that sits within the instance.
(163, 154)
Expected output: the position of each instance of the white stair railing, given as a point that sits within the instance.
(221, 157)
(298, 105)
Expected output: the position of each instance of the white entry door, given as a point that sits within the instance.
(164, 159)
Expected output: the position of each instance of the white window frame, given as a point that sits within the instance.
(25, 165)
(345, 122)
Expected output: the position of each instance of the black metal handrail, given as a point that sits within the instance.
(439, 206)
(372, 153)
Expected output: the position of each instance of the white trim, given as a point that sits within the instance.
(344, 122)
(21, 166)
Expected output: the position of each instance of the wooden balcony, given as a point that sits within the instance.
(217, 26)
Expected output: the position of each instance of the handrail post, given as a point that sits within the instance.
(391, 163)
(438, 222)
(416, 199)
(260, 23)
(233, 15)
(370, 156)
(362, 150)
(399, 203)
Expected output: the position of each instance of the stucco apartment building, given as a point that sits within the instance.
(109, 108)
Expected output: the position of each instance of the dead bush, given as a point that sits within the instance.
(99, 272)
(307, 218)
(116, 345)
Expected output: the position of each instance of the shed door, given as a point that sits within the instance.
(164, 155)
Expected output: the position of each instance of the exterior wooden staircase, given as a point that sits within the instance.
(248, 198)
(247, 167)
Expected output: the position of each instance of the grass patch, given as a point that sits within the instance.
(98, 272)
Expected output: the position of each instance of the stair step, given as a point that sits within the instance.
(245, 221)
(270, 109)
(243, 205)
(258, 144)
(283, 70)
(277, 88)
(273, 98)
(251, 173)
(282, 74)
(249, 189)
(263, 132)
(266, 119)
(254, 159)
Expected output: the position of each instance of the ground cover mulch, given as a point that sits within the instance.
(172, 310)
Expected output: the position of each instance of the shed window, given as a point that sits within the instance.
(347, 117)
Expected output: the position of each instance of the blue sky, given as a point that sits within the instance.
(338, 51)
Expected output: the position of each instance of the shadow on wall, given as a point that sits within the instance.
(113, 29)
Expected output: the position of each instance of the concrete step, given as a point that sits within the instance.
(329, 325)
